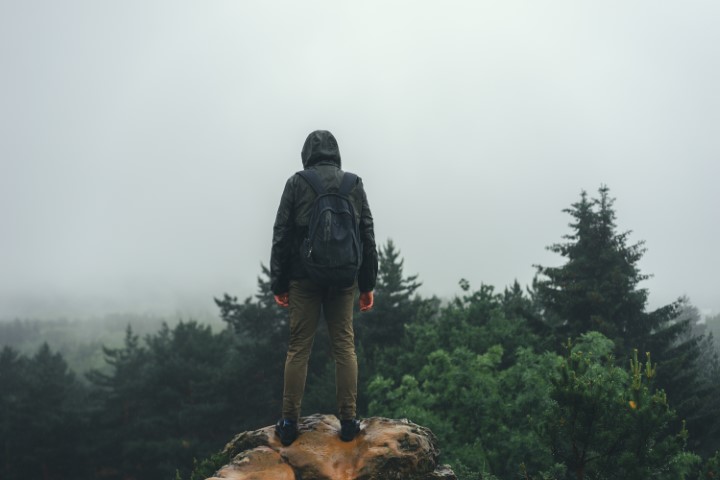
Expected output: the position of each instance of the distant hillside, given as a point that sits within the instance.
(80, 341)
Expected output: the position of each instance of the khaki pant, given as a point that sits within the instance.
(306, 299)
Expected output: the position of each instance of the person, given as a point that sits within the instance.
(293, 289)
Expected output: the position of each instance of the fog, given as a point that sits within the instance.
(144, 145)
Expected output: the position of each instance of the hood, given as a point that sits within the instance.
(320, 146)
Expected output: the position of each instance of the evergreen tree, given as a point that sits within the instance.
(42, 432)
(597, 289)
(519, 303)
(470, 373)
(257, 318)
(607, 422)
(261, 331)
(382, 332)
(384, 325)
(476, 320)
(695, 371)
(164, 402)
(12, 393)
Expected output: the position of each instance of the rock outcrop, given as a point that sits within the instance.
(384, 449)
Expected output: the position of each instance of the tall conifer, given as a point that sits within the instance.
(597, 289)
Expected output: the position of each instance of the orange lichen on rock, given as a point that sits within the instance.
(384, 448)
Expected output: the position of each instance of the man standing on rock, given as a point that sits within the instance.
(323, 249)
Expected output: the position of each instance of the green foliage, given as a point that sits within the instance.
(711, 468)
(474, 408)
(165, 401)
(482, 401)
(396, 305)
(380, 332)
(206, 468)
(597, 289)
(608, 422)
(543, 416)
(697, 374)
(477, 321)
(260, 331)
(41, 421)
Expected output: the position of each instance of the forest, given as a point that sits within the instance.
(571, 377)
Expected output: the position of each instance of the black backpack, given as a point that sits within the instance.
(332, 251)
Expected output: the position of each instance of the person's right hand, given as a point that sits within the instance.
(283, 299)
(367, 300)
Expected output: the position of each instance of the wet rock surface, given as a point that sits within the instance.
(384, 449)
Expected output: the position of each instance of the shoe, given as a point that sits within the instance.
(287, 430)
(348, 429)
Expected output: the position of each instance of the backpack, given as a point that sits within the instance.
(332, 251)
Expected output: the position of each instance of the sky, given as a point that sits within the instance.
(144, 145)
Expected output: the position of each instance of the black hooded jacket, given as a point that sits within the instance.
(320, 153)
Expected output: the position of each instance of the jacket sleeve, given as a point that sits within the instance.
(280, 255)
(368, 270)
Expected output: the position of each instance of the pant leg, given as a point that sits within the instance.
(305, 301)
(338, 309)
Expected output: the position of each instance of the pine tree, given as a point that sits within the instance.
(608, 422)
(165, 401)
(383, 326)
(381, 333)
(257, 318)
(42, 431)
(261, 333)
(597, 289)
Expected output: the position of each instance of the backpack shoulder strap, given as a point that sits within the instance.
(313, 179)
(347, 184)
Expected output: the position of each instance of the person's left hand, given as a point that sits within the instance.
(283, 299)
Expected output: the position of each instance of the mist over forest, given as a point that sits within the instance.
(513, 380)
(144, 147)
(80, 338)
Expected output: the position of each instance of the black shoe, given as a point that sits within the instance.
(287, 430)
(348, 429)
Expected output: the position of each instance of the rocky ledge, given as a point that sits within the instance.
(384, 449)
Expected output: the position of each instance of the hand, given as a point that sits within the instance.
(367, 301)
(283, 299)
